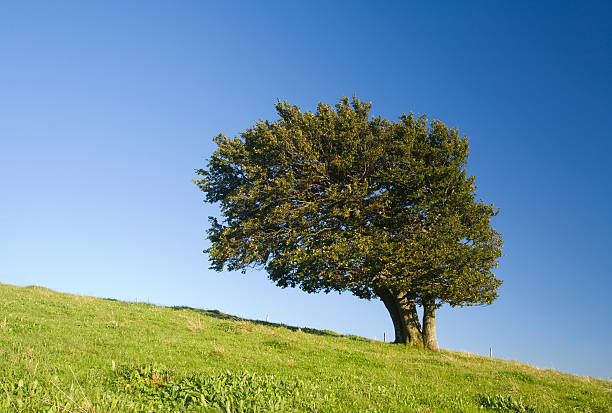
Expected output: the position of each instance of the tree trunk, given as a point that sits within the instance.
(407, 306)
(401, 334)
(430, 339)
(402, 310)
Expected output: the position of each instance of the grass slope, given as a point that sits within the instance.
(62, 352)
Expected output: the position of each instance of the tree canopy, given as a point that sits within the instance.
(339, 200)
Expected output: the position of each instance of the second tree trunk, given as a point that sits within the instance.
(430, 340)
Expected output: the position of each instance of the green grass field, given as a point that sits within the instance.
(62, 352)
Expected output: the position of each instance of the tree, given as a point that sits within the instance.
(337, 200)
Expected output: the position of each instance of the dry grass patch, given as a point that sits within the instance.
(81, 298)
(218, 351)
(448, 357)
(195, 326)
(245, 326)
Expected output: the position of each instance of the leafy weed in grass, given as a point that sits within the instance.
(506, 404)
(232, 392)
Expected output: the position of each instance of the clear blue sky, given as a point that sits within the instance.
(106, 108)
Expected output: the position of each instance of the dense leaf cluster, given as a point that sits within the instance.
(338, 200)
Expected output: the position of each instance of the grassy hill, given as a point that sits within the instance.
(62, 352)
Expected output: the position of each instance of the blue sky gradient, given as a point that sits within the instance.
(107, 108)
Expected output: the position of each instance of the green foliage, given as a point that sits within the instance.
(150, 386)
(337, 200)
(58, 355)
(506, 404)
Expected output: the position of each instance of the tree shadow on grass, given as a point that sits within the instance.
(222, 316)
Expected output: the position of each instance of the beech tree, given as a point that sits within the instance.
(337, 200)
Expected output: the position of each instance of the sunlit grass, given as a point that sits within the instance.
(61, 352)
